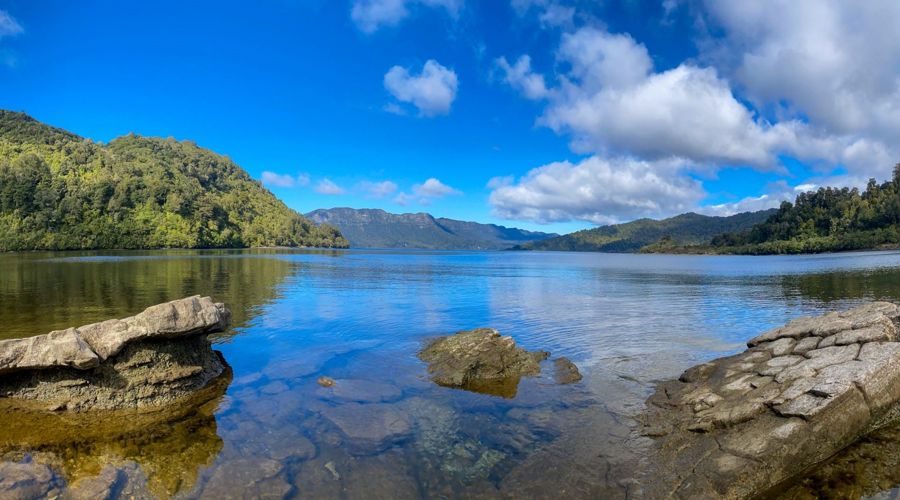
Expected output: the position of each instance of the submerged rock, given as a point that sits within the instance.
(27, 480)
(369, 428)
(565, 371)
(737, 427)
(248, 478)
(481, 360)
(155, 452)
(149, 359)
(361, 390)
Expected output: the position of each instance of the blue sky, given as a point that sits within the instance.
(544, 114)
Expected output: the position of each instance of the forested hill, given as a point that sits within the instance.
(826, 220)
(374, 228)
(59, 191)
(681, 230)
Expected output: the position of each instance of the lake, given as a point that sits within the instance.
(360, 317)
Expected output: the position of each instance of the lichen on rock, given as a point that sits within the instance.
(739, 426)
(149, 359)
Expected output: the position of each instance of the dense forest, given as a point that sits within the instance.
(826, 220)
(59, 191)
(649, 234)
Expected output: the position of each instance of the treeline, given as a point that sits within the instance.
(826, 220)
(59, 191)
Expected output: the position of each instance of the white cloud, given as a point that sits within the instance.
(432, 91)
(612, 102)
(404, 199)
(748, 204)
(394, 109)
(520, 77)
(598, 190)
(425, 192)
(776, 193)
(500, 181)
(551, 13)
(326, 186)
(370, 15)
(600, 59)
(377, 190)
(433, 188)
(557, 15)
(284, 180)
(832, 62)
(9, 26)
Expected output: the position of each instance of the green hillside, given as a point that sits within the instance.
(59, 191)
(826, 220)
(682, 230)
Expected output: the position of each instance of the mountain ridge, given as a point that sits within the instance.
(646, 234)
(377, 228)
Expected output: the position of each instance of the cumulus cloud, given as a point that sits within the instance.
(432, 91)
(833, 63)
(9, 26)
(284, 180)
(371, 15)
(520, 77)
(612, 102)
(377, 190)
(425, 192)
(834, 111)
(598, 190)
(433, 188)
(326, 186)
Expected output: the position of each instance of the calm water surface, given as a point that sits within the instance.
(361, 316)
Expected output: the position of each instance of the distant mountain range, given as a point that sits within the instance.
(374, 228)
(651, 235)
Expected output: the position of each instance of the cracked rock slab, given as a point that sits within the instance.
(739, 426)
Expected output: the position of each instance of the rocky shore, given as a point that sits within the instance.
(150, 359)
(740, 426)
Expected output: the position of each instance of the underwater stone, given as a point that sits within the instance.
(565, 371)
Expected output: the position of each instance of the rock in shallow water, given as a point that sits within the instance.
(26, 480)
(739, 426)
(369, 428)
(565, 371)
(481, 360)
(149, 359)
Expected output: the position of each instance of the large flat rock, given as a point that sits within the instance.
(86, 346)
(739, 426)
(154, 357)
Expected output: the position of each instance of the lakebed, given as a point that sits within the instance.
(384, 429)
